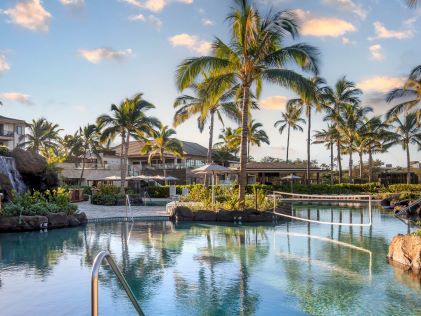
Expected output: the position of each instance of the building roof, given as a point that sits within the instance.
(279, 167)
(11, 120)
(88, 174)
(189, 149)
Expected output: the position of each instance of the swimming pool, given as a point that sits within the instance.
(291, 268)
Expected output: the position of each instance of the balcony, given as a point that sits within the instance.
(7, 134)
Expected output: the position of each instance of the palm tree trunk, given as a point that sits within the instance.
(210, 146)
(338, 145)
(350, 164)
(370, 166)
(165, 170)
(332, 180)
(308, 144)
(242, 177)
(408, 161)
(289, 128)
(361, 165)
(123, 146)
(248, 150)
(83, 167)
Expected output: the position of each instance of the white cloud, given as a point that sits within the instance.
(274, 103)
(16, 97)
(139, 17)
(381, 84)
(154, 5)
(376, 52)
(192, 42)
(29, 14)
(80, 108)
(4, 66)
(348, 5)
(154, 20)
(207, 22)
(97, 55)
(323, 26)
(73, 2)
(382, 32)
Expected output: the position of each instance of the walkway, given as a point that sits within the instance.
(101, 211)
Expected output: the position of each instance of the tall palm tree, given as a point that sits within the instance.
(162, 142)
(409, 94)
(291, 118)
(350, 119)
(230, 139)
(405, 134)
(256, 53)
(256, 136)
(412, 3)
(88, 140)
(344, 92)
(328, 137)
(128, 119)
(206, 104)
(43, 136)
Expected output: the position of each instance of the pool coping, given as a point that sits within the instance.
(128, 219)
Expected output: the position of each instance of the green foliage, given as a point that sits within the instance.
(37, 203)
(4, 151)
(397, 188)
(107, 195)
(417, 233)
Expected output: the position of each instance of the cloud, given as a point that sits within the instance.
(4, 66)
(192, 42)
(139, 17)
(154, 5)
(323, 26)
(382, 84)
(207, 22)
(348, 5)
(80, 108)
(382, 32)
(154, 20)
(29, 14)
(274, 103)
(16, 97)
(73, 2)
(97, 55)
(376, 52)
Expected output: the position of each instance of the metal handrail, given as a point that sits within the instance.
(408, 208)
(94, 282)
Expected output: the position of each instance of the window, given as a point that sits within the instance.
(19, 130)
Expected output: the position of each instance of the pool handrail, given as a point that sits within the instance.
(94, 282)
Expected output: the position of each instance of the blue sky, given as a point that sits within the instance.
(68, 60)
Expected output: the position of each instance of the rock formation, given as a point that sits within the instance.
(406, 250)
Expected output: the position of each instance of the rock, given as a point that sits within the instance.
(183, 213)
(29, 162)
(5, 186)
(22, 223)
(57, 220)
(406, 250)
(73, 221)
(205, 216)
(81, 217)
(230, 216)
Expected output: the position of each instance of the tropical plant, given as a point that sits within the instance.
(412, 3)
(128, 119)
(162, 142)
(256, 53)
(256, 136)
(409, 94)
(291, 118)
(328, 137)
(405, 134)
(344, 92)
(43, 136)
(229, 139)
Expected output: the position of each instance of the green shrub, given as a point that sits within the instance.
(107, 195)
(4, 151)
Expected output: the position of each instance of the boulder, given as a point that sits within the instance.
(230, 216)
(5, 186)
(205, 216)
(28, 162)
(57, 220)
(406, 250)
(73, 221)
(81, 217)
(183, 213)
(21, 223)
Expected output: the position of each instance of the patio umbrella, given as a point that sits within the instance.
(112, 178)
(291, 178)
(212, 169)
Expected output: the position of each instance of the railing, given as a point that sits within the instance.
(7, 133)
(94, 282)
(408, 208)
(129, 207)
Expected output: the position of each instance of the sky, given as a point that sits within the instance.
(69, 60)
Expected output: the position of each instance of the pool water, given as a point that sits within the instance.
(287, 268)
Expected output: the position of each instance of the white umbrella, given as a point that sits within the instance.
(212, 169)
(171, 178)
(112, 178)
(291, 178)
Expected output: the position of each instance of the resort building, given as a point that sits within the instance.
(11, 131)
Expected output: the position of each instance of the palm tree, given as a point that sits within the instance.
(256, 136)
(344, 92)
(328, 137)
(412, 3)
(350, 119)
(206, 104)
(291, 118)
(88, 142)
(406, 133)
(128, 119)
(43, 136)
(256, 53)
(230, 139)
(410, 94)
(161, 143)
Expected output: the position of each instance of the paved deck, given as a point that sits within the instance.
(101, 211)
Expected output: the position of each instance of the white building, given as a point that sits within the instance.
(10, 132)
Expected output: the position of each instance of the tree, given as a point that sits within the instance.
(128, 119)
(328, 137)
(256, 136)
(230, 139)
(344, 92)
(206, 104)
(161, 143)
(409, 94)
(405, 134)
(43, 136)
(412, 3)
(350, 119)
(291, 118)
(87, 142)
(255, 54)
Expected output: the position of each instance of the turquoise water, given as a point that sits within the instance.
(291, 268)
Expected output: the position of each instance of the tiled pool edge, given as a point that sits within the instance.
(128, 219)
